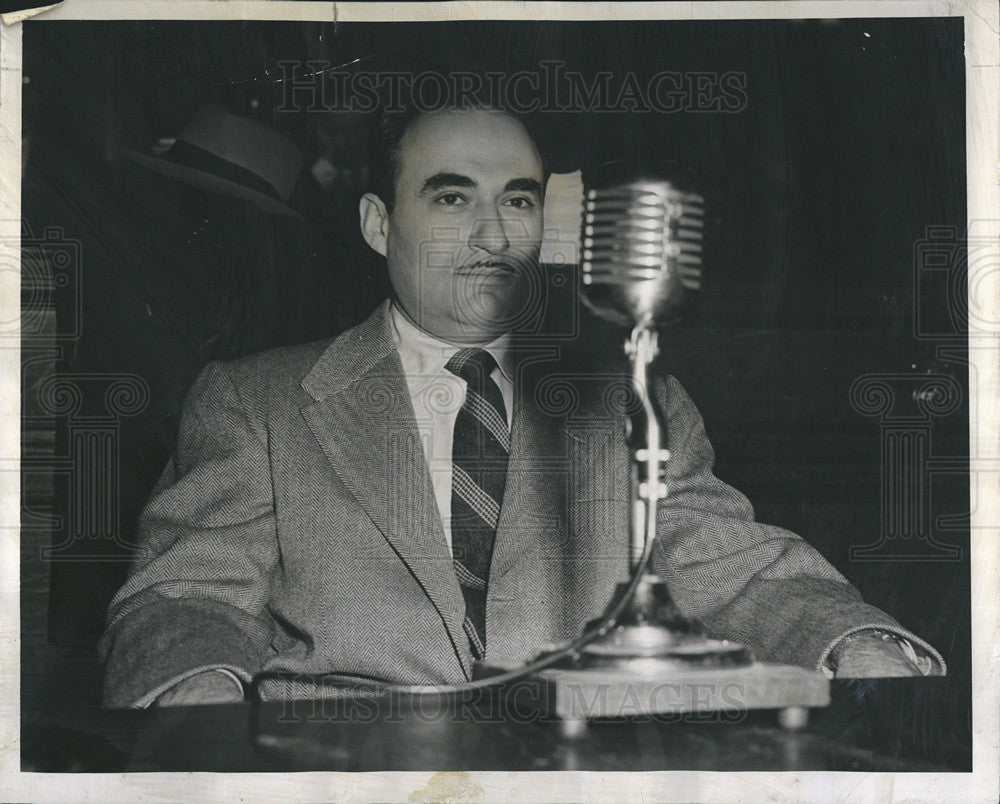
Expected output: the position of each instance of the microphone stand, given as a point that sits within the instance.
(650, 632)
(649, 459)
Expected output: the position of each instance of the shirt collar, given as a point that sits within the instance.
(424, 355)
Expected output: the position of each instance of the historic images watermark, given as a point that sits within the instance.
(320, 86)
(87, 407)
(329, 698)
(908, 404)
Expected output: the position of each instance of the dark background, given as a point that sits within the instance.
(820, 191)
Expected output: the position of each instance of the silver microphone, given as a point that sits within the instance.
(642, 250)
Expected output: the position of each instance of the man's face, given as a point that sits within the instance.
(463, 237)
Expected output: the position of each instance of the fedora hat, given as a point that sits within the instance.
(233, 156)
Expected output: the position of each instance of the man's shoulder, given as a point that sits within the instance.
(264, 382)
(284, 362)
(283, 375)
(291, 364)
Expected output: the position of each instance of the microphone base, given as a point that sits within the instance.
(659, 688)
(656, 661)
(652, 628)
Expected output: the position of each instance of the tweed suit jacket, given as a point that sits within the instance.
(295, 530)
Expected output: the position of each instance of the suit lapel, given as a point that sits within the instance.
(534, 500)
(363, 419)
(566, 447)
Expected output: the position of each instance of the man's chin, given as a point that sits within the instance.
(481, 326)
(490, 304)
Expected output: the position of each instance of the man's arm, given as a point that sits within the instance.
(205, 558)
(757, 584)
(213, 686)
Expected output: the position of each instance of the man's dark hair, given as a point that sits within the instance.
(384, 151)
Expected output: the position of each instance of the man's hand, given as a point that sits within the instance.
(210, 687)
(870, 656)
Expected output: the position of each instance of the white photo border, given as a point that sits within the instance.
(982, 46)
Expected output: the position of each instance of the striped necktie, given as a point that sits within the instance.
(479, 473)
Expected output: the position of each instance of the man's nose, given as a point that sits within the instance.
(488, 233)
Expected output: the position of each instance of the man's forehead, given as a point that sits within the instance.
(481, 142)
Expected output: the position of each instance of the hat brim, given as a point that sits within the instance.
(211, 183)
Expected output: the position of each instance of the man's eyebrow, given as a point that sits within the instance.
(523, 186)
(439, 180)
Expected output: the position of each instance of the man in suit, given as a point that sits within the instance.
(427, 489)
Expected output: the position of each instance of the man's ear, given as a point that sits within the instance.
(374, 221)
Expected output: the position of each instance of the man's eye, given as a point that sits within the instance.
(450, 199)
(520, 202)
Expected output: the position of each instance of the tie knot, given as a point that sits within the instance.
(472, 365)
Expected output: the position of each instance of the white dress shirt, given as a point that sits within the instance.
(437, 396)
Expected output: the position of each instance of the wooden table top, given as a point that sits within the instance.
(870, 726)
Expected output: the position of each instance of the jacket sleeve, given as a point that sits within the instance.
(757, 584)
(205, 558)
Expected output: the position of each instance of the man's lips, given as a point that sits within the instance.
(491, 267)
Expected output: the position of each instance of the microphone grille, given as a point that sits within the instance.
(642, 248)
